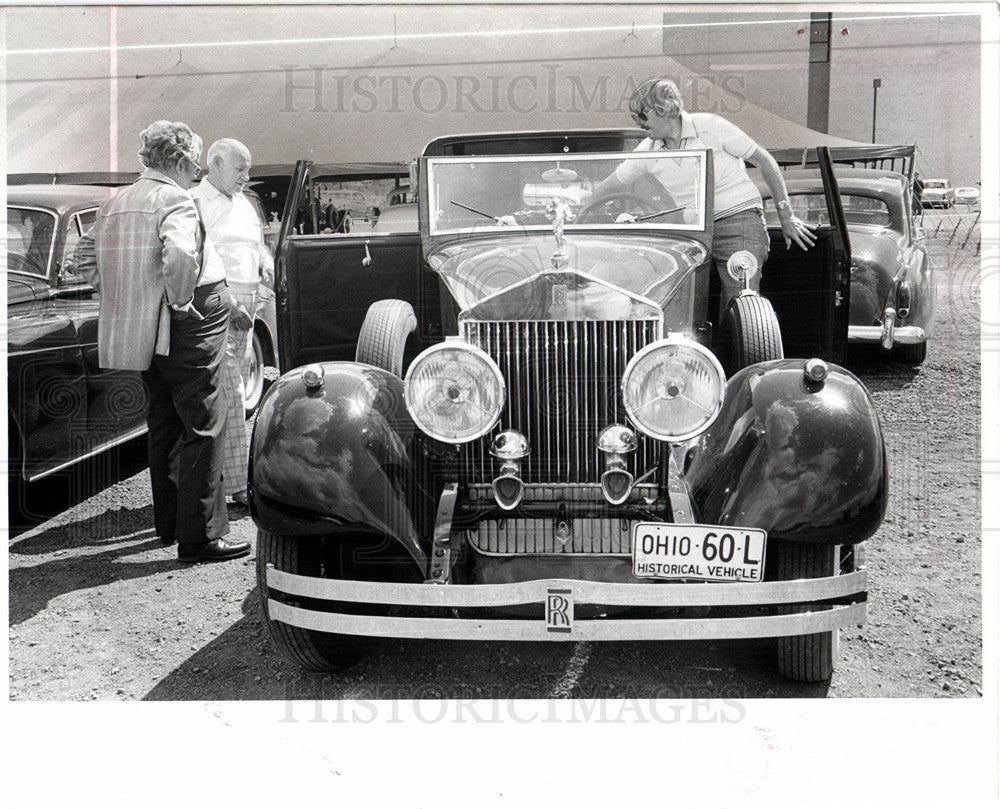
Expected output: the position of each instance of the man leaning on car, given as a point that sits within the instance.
(657, 107)
(164, 312)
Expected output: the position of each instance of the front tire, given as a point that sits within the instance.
(806, 658)
(750, 333)
(382, 340)
(316, 651)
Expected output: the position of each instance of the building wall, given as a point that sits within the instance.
(73, 109)
(929, 67)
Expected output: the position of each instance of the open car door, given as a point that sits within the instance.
(810, 290)
(326, 281)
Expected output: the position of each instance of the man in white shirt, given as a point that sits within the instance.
(235, 229)
(657, 106)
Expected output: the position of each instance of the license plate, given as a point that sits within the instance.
(699, 552)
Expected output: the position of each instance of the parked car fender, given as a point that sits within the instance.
(922, 293)
(872, 289)
(803, 460)
(336, 458)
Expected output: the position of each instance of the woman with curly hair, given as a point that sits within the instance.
(164, 312)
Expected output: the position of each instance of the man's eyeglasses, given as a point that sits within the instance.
(639, 117)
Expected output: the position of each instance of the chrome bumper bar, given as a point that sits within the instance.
(904, 335)
(559, 597)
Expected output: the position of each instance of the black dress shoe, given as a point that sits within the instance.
(167, 541)
(215, 550)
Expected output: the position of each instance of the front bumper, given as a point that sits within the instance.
(813, 605)
(904, 335)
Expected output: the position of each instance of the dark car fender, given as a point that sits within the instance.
(804, 461)
(335, 458)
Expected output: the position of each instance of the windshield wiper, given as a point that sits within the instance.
(475, 210)
(644, 217)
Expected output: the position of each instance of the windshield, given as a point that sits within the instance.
(659, 190)
(30, 233)
(934, 184)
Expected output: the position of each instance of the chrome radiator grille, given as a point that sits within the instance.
(563, 380)
(587, 537)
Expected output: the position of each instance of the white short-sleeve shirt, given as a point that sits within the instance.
(234, 227)
(730, 145)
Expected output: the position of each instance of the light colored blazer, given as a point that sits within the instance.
(146, 245)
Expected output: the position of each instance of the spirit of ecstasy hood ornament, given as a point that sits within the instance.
(559, 211)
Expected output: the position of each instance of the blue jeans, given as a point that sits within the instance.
(744, 230)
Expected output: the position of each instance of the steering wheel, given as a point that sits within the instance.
(599, 206)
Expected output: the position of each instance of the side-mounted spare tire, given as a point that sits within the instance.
(382, 339)
(750, 333)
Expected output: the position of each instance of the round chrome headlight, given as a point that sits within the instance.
(454, 392)
(673, 389)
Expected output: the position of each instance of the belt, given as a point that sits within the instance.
(204, 289)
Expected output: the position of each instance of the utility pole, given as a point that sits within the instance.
(818, 103)
(876, 83)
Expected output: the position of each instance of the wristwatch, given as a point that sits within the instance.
(784, 205)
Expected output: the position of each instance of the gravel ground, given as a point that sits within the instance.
(100, 611)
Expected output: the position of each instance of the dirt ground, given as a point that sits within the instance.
(100, 611)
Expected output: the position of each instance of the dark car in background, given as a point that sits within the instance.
(61, 406)
(526, 420)
(265, 336)
(893, 293)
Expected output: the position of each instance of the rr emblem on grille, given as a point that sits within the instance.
(560, 295)
(559, 611)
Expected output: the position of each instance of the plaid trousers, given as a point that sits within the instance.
(234, 439)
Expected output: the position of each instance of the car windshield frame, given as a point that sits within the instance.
(443, 188)
(50, 250)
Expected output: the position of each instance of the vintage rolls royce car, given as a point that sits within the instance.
(523, 422)
(893, 293)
